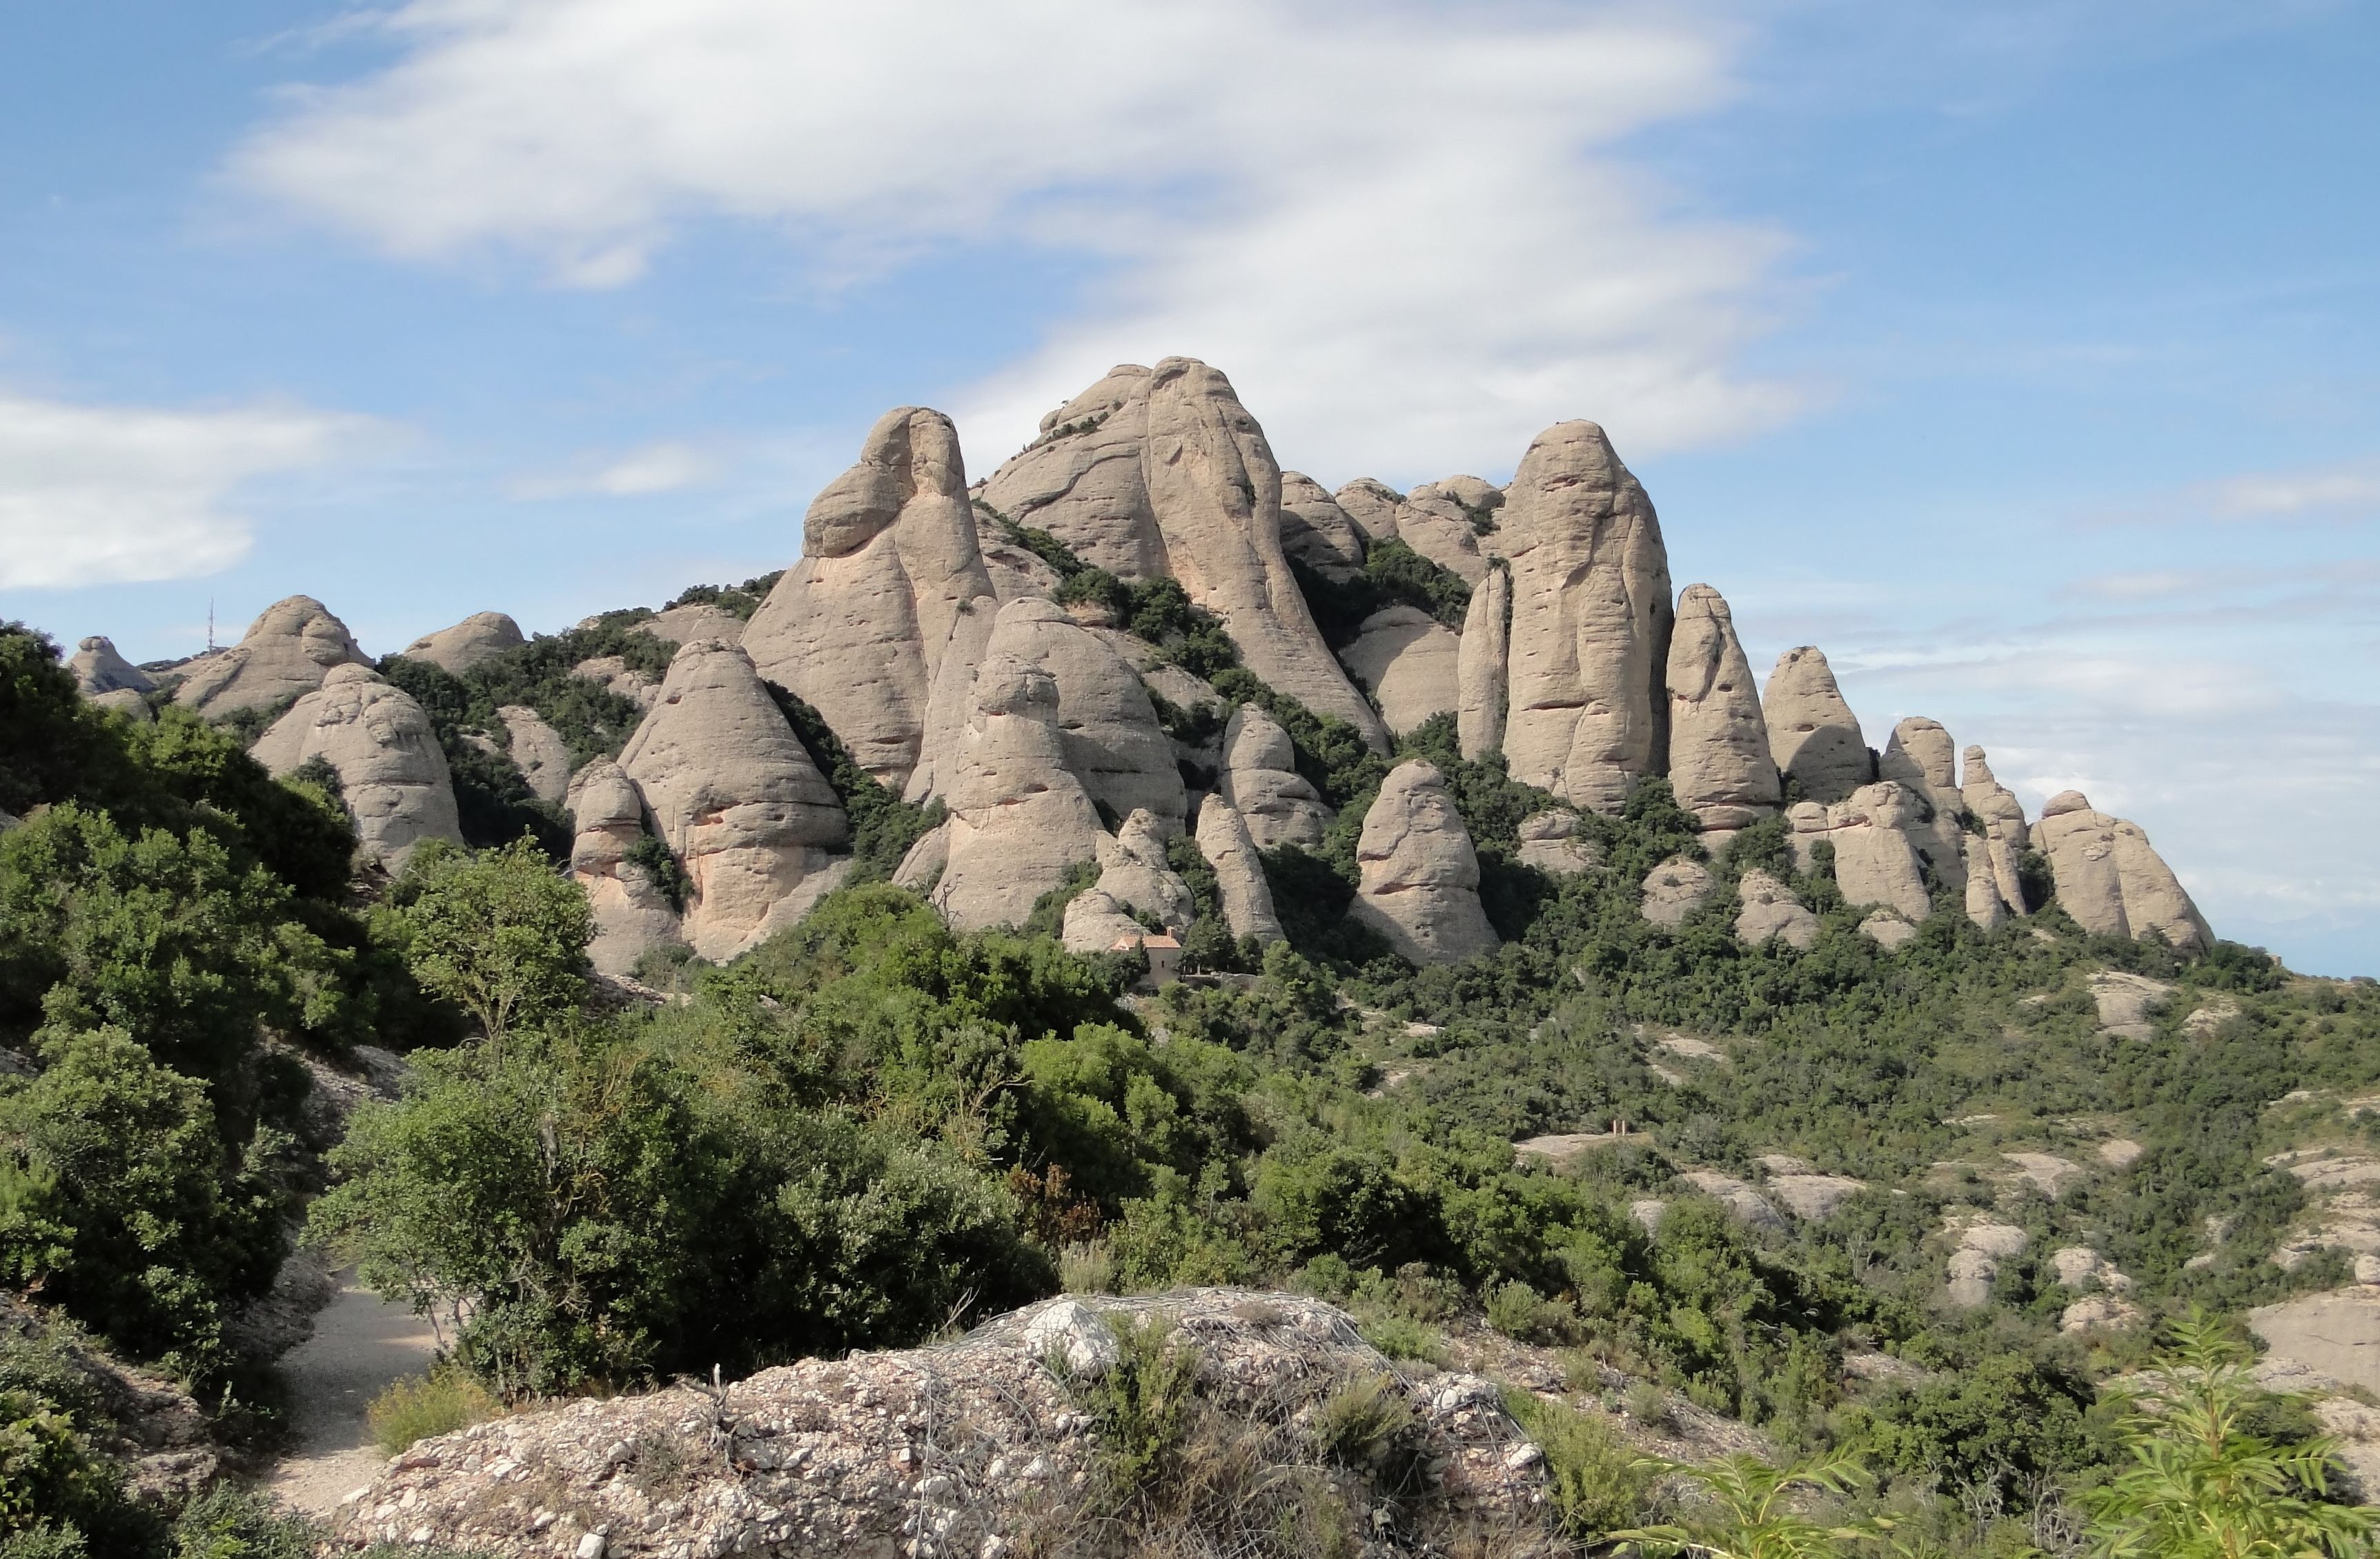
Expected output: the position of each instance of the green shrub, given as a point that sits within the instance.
(1366, 1425)
(47, 1472)
(439, 1403)
(1599, 1483)
(882, 825)
(228, 1522)
(1141, 1404)
(742, 600)
(499, 934)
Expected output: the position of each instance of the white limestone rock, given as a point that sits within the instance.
(1720, 766)
(761, 834)
(286, 651)
(1409, 660)
(1107, 726)
(1813, 734)
(1591, 621)
(1020, 821)
(392, 771)
(1480, 664)
(98, 668)
(632, 913)
(478, 639)
(1420, 877)
(1316, 533)
(1923, 761)
(1674, 890)
(1133, 871)
(2110, 880)
(1770, 909)
(1747, 1205)
(699, 619)
(125, 701)
(1260, 779)
(1240, 880)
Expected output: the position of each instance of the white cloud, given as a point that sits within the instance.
(1405, 229)
(667, 467)
(2348, 488)
(96, 494)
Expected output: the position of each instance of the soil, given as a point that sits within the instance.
(361, 1344)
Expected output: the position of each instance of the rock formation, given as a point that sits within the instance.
(539, 751)
(699, 619)
(1096, 920)
(1109, 729)
(1429, 520)
(99, 669)
(1134, 872)
(480, 637)
(891, 584)
(1316, 533)
(1985, 906)
(1769, 909)
(1720, 766)
(1674, 890)
(735, 796)
(1875, 862)
(1019, 819)
(1260, 779)
(1591, 620)
(1420, 877)
(2005, 836)
(632, 915)
(615, 674)
(2109, 879)
(1552, 841)
(392, 771)
(1479, 665)
(1239, 880)
(1813, 734)
(1923, 760)
(1887, 929)
(1015, 569)
(286, 651)
(1409, 660)
(1166, 472)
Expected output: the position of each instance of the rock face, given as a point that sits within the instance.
(891, 585)
(390, 769)
(1420, 886)
(1019, 819)
(1409, 660)
(478, 637)
(1096, 920)
(1260, 779)
(2109, 879)
(1429, 519)
(1720, 765)
(1591, 620)
(1985, 906)
(1134, 872)
(2005, 836)
(817, 1464)
(1771, 910)
(1240, 882)
(286, 651)
(735, 796)
(1874, 860)
(1813, 734)
(1552, 841)
(615, 674)
(1106, 724)
(632, 915)
(539, 751)
(1923, 761)
(1166, 472)
(1480, 663)
(99, 669)
(699, 619)
(1674, 890)
(1015, 570)
(1316, 533)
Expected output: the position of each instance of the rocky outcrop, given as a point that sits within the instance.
(633, 914)
(891, 584)
(1556, 841)
(1674, 890)
(1106, 724)
(392, 771)
(1096, 920)
(1373, 505)
(736, 797)
(1429, 519)
(1975, 1261)
(1887, 929)
(539, 751)
(479, 638)
(2109, 879)
(1316, 533)
(615, 674)
(1985, 906)
(1020, 821)
(1770, 909)
(1165, 472)
(1260, 779)
(1875, 862)
(1420, 877)
(285, 652)
(1591, 619)
(1480, 664)
(1239, 880)
(1813, 734)
(1134, 872)
(975, 1442)
(1409, 660)
(1921, 759)
(99, 669)
(699, 619)
(2006, 834)
(1720, 766)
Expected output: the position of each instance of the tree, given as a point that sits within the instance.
(499, 933)
(1755, 1517)
(2201, 1485)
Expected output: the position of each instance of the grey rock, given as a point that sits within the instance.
(1240, 880)
(1813, 734)
(1720, 766)
(99, 669)
(392, 771)
(1408, 659)
(1480, 664)
(1674, 890)
(1260, 779)
(1553, 841)
(1420, 877)
(478, 639)
(286, 651)
(2110, 880)
(1770, 909)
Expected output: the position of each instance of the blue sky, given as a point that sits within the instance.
(2026, 357)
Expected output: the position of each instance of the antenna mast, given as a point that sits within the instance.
(211, 625)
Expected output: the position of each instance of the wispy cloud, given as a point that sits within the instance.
(667, 467)
(2354, 489)
(100, 494)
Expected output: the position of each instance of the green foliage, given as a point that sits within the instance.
(47, 1472)
(1755, 1509)
(1141, 1404)
(1095, 586)
(654, 857)
(229, 1522)
(1599, 1483)
(493, 800)
(439, 1403)
(742, 600)
(1393, 575)
(882, 825)
(498, 933)
(594, 721)
(1041, 544)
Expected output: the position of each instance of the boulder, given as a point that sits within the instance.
(1923, 761)
(539, 751)
(1373, 506)
(1408, 659)
(1476, 496)
(2005, 836)
(633, 914)
(99, 669)
(286, 651)
(1316, 533)
(1096, 920)
(478, 637)
(1420, 877)
(1813, 734)
(1746, 1205)
(1435, 524)
(1015, 569)
(1260, 779)
(1591, 619)
(2110, 880)
(1720, 766)
(1552, 841)
(392, 771)
(1674, 890)
(1106, 724)
(1975, 1261)
(1985, 906)
(699, 619)
(1164, 472)
(891, 584)
(732, 791)
(615, 674)
(131, 705)
(1020, 821)
(1770, 909)
(1887, 929)
(1134, 872)
(1480, 664)
(1240, 879)
(1874, 860)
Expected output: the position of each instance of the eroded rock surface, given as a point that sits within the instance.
(1260, 779)
(1813, 734)
(1239, 880)
(1875, 863)
(1720, 766)
(2005, 836)
(392, 771)
(478, 639)
(1409, 660)
(1556, 841)
(1770, 909)
(1133, 871)
(1316, 533)
(1674, 890)
(286, 651)
(2109, 879)
(1107, 726)
(1480, 662)
(1019, 819)
(632, 911)
(1921, 759)
(1420, 884)
(697, 619)
(98, 669)
(539, 751)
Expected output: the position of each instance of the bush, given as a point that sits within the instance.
(499, 934)
(1599, 1483)
(439, 1403)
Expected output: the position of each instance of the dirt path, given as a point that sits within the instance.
(361, 1343)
